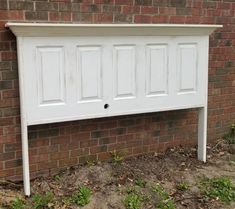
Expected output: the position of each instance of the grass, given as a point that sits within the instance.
(218, 188)
(182, 186)
(165, 202)
(82, 196)
(17, 204)
(230, 136)
(42, 201)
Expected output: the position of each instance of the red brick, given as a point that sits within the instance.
(89, 143)
(67, 162)
(6, 56)
(104, 156)
(90, 8)
(42, 15)
(48, 165)
(5, 102)
(149, 10)
(65, 6)
(46, 6)
(177, 19)
(15, 15)
(54, 16)
(104, 1)
(103, 18)
(115, 9)
(167, 11)
(107, 140)
(124, 2)
(13, 163)
(79, 152)
(142, 19)
(88, 158)
(160, 19)
(82, 17)
(98, 149)
(7, 173)
(126, 9)
(6, 121)
(43, 158)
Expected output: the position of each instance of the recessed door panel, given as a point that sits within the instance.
(157, 70)
(124, 64)
(187, 68)
(89, 68)
(50, 75)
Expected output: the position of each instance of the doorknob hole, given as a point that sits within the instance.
(106, 106)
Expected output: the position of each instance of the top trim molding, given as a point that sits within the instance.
(61, 30)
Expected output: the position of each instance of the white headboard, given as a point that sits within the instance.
(79, 71)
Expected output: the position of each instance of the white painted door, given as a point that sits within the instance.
(85, 77)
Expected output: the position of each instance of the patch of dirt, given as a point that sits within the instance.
(111, 181)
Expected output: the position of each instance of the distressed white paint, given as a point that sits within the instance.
(133, 68)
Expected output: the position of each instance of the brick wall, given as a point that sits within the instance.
(55, 146)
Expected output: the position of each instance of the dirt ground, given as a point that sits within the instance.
(110, 181)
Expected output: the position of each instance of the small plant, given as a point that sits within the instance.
(82, 196)
(132, 201)
(165, 202)
(90, 163)
(230, 136)
(182, 186)
(42, 201)
(17, 204)
(117, 158)
(57, 178)
(131, 189)
(141, 183)
(219, 188)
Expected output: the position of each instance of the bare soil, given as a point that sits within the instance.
(110, 181)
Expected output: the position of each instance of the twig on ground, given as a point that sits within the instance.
(10, 184)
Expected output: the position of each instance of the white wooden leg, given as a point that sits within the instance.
(202, 134)
(24, 126)
(25, 157)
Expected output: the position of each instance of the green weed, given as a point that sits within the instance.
(132, 201)
(57, 178)
(90, 163)
(42, 201)
(182, 186)
(82, 196)
(117, 157)
(131, 189)
(219, 188)
(141, 183)
(165, 202)
(17, 204)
